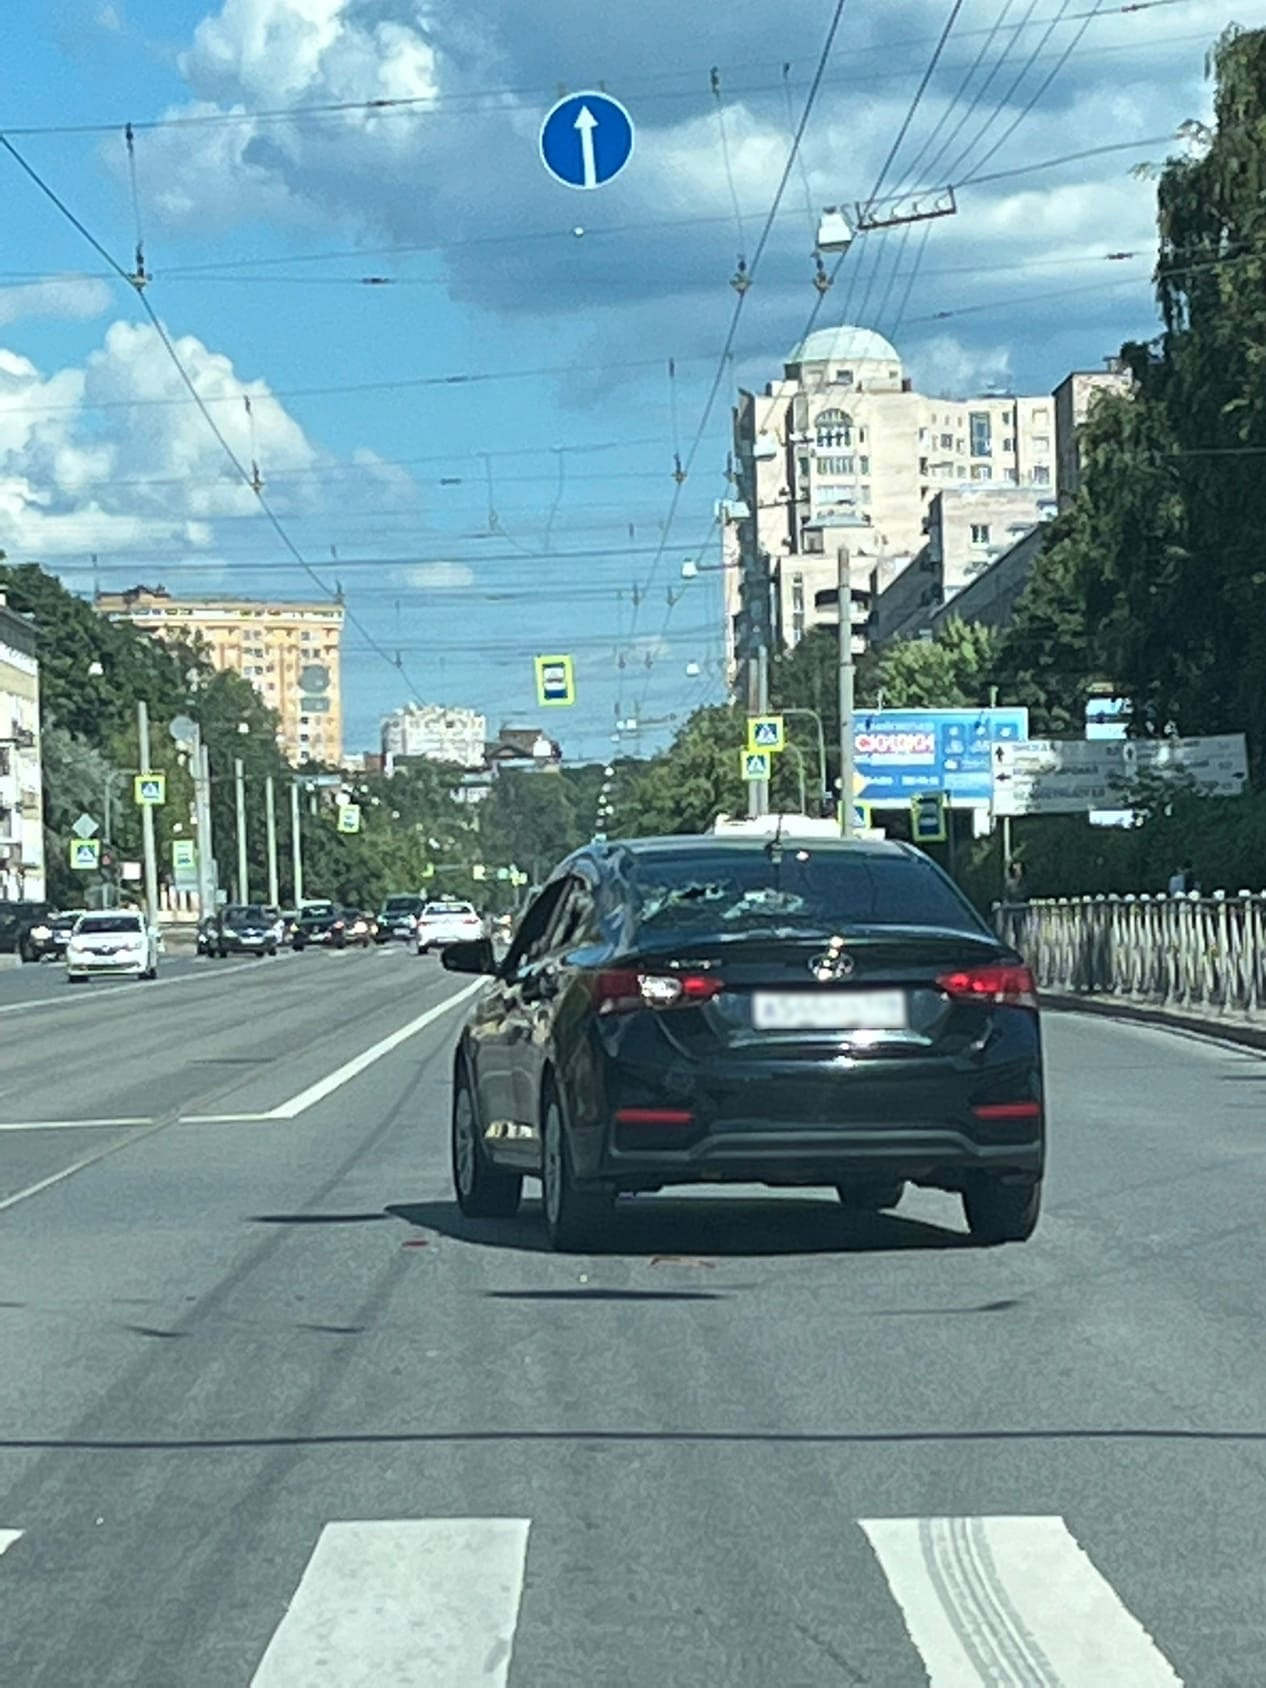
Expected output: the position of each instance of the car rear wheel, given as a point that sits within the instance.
(998, 1212)
(484, 1191)
(573, 1215)
(871, 1197)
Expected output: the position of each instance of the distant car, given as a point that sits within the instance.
(116, 942)
(398, 919)
(46, 939)
(441, 924)
(726, 1010)
(360, 928)
(246, 929)
(320, 925)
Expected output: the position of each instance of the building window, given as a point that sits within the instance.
(1039, 413)
(844, 377)
(1041, 475)
(863, 465)
(804, 470)
(1041, 442)
(981, 472)
(1008, 445)
(834, 429)
(980, 426)
(980, 533)
(835, 465)
(947, 442)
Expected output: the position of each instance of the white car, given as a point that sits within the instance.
(440, 924)
(112, 943)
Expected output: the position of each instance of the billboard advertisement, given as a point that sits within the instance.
(901, 753)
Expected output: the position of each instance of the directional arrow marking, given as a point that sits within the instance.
(586, 123)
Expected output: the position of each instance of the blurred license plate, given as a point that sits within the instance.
(794, 1011)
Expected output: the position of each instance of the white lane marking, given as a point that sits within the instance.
(78, 998)
(1012, 1600)
(352, 1069)
(7, 1538)
(424, 1600)
(69, 1124)
(79, 1165)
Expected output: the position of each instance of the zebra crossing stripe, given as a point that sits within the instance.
(424, 1600)
(1014, 1600)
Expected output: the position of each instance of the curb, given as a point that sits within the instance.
(1166, 1019)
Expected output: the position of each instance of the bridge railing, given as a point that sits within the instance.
(1185, 952)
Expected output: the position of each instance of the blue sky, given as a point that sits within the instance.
(473, 523)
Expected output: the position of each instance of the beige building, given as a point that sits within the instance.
(288, 651)
(22, 877)
(843, 450)
(1073, 398)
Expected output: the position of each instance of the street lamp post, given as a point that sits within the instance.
(812, 715)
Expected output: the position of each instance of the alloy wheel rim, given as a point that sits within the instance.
(464, 1141)
(553, 1179)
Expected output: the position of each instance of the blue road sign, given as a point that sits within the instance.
(586, 140)
(900, 753)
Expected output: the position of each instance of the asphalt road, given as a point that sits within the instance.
(271, 1414)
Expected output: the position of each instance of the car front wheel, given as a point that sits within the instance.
(484, 1191)
(998, 1212)
(573, 1215)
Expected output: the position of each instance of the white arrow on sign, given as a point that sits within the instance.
(586, 123)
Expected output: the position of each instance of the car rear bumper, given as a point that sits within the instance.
(810, 1123)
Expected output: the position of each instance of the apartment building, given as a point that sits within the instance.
(1073, 399)
(22, 875)
(842, 449)
(433, 732)
(290, 653)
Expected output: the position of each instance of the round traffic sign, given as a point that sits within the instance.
(586, 140)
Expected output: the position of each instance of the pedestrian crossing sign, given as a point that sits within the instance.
(766, 732)
(555, 682)
(349, 818)
(150, 790)
(85, 854)
(756, 765)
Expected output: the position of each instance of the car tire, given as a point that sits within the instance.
(871, 1196)
(483, 1191)
(573, 1215)
(999, 1212)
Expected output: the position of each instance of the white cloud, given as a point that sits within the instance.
(70, 298)
(944, 364)
(433, 577)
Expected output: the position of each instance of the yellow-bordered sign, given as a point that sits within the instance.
(756, 764)
(555, 682)
(766, 732)
(150, 790)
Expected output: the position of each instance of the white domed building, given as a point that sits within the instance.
(842, 450)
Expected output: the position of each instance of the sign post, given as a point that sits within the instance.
(586, 140)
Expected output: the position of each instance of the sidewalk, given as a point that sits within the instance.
(1230, 1025)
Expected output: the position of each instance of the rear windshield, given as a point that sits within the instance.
(317, 911)
(240, 914)
(400, 905)
(808, 890)
(110, 923)
(449, 908)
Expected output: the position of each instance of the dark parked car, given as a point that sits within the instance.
(711, 1010)
(398, 917)
(45, 938)
(17, 918)
(246, 929)
(320, 924)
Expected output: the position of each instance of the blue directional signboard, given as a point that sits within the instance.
(586, 140)
(900, 753)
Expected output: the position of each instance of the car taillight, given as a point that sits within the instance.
(625, 991)
(1005, 982)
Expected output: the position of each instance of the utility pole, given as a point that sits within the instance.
(207, 876)
(845, 589)
(270, 822)
(147, 819)
(755, 619)
(243, 867)
(296, 843)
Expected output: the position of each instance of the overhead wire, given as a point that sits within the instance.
(1017, 81)
(138, 288)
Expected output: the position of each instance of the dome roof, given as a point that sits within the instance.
(844, 345)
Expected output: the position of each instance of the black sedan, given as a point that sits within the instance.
(246, 929)
(322, 925)
(791, 1012)
(45, 939)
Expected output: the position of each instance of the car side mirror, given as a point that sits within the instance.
(473, 956)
